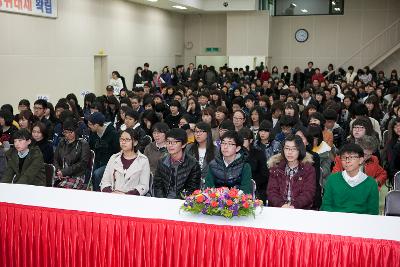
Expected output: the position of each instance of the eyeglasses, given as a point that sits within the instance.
(65, 132)
(228, 144)
(349, 158)
(173, 142)
(125, 140)
(199, 132)
(290, 149)
(238, 119)
(358, 128)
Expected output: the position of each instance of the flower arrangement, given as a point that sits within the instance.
(221, 202)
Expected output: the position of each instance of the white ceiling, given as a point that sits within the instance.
(203, 6)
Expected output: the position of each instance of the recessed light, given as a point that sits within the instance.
(333, 3)
(152, 0)
(179, 7)
(304, 10)
(337, 9)
(293, 4)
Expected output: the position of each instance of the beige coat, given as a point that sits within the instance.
(137, 176)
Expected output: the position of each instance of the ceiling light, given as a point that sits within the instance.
(333, 3)
(337, 9)
(152, 0)
(179, 7)
(304, 10)
(293, 4)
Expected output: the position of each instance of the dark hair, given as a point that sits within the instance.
(7, 116)
(330, 114)
(360, 110)
(210, 111)
(178, 134)
(133, 114)
(42, 129)
(161, 127)
(134, 134)
(125, 101)
(319, 117)
(233, 135)
(227, 125)
(8, 107)
(41, 102)
(175, 103)
(73, 97)
(393, 138)
(238, 101)
(298, 143)
(286, 120)
(315, 131)
(62, 104)
(151, 116)
(22, 134)
(260, 112)
(24, 102)
(28, 115)
(366, 122)
(89, 98)
(209, 143)
(246, 133)
(277, 105)
(351, 148)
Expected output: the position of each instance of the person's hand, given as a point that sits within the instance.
(285, 205)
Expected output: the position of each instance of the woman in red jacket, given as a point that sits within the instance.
(292, 177)
(370, 165)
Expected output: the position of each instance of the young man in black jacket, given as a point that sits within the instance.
(177, 174)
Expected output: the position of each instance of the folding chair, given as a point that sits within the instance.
(150, 193)
(50, 171)
(396, 181)
(89, 172)
(392, 204)
(254, 188)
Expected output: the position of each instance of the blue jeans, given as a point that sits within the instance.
(97, 176)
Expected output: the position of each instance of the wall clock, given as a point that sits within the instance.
(301, 35)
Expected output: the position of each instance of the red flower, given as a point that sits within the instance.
(213, 195)
(214, 204)
(196, 192)
(229, 202)
(233, 192)
(200, 199)
(246, 205)
(244, 198)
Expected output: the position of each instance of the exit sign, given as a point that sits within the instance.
(212, 49)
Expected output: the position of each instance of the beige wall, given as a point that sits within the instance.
(247, 33)
(50, 57)
(390, 63)
(333, 39)
(235, 33)
(204, 30)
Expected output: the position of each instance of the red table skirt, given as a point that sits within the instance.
(35, 236)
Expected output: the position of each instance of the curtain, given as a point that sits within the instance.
(36, 236)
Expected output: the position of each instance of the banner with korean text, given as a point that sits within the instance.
(44, 8)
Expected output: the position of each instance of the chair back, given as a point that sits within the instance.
(396, 181)
(89, 171)
(392, 204)
(254, 185)
(50, 171)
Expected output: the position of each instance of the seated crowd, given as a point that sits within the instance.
(324, 141)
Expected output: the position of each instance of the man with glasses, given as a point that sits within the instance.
(177, 173)
(370, 164)
(39, 110)
(351, 190)
(230, 168)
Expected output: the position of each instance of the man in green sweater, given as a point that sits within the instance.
(351, 190)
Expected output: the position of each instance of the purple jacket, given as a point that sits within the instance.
(302, 183)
